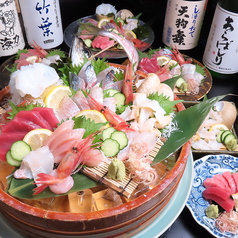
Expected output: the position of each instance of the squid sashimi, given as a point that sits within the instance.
(6, 140)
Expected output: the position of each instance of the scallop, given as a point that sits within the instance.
(228, 112)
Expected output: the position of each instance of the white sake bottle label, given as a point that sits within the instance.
(42, 21)
(11, 37)
(221, 52)
(183, 22)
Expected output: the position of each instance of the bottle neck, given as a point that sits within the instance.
(229, 5)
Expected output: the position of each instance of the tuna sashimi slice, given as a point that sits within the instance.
(213, 182)
(6, 140)
(35, 117)
(235, 177)
(227, 204)
(20, 125)
(220, 192)
(222, 180)
(48, 114)
(227, 175)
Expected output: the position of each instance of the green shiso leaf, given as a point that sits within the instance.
(23, 188)
(188, 122)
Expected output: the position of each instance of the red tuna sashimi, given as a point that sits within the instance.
(222, 180)
(213, 182)
(227, 175)
(149, 65)
(227, 204)
(35, 117)
(49, 115)
(235, 177)
(102, 42)
(19, 125)
(220, 192)
(6, 140)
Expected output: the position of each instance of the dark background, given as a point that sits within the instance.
(153, 12)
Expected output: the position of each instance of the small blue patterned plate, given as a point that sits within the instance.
(207, 167)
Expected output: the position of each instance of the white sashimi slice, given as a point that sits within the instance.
(80, 100)
(188, 69)
(38, 161)
(110, 103)
(97, 94)
(67, 108)
(66, 125)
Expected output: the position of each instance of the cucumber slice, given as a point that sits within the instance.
(110, 147)
(107, 133)
(12, 161)
(179, 82)
(110, 92)
(19, 150)
(228, 138)
(121, 138)
(224, 134)
(218, 137)
(120, 99)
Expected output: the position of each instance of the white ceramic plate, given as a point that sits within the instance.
(72, 30)
(204, 168)
(157, 227)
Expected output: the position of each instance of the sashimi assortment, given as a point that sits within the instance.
(222, 189)
(168, 63)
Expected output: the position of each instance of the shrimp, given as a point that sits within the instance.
(179, 58)
(128, 83)
(67, 166)
(40, 50)
(114, 119)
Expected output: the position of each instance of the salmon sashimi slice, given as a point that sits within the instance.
(20, 125)
(6, 140)
(35, 117)
(49, 115)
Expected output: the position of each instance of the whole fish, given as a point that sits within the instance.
(79, 51)
(126, 44)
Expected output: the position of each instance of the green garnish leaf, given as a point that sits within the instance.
(89, 125)
(15, 109)
(200, 69)
(164, 102)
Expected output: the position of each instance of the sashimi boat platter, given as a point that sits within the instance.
(89, 147)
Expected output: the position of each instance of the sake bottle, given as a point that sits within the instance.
(42, 22)
(11, 35)
(221, 51)
(183, 22)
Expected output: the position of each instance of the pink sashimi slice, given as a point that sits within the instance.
(220, 178)
(213, 182)
(227, 175)
(19, 125)
(6, 140)
(220, 192)
(227, 204)
(235, 177)
(49, 115)
(65, 126)
(35, 117)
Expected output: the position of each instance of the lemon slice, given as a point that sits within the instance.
(32, 59)
(36, 138)
(130, 34)
(103, 22)
(55, 95)
(219, 126)
(94, 115)
(163, 60)
(172, 63)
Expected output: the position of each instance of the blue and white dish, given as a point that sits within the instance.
(207, 167)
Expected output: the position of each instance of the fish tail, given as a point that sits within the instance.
(39, 189)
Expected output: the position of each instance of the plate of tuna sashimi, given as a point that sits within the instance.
(214, 195)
